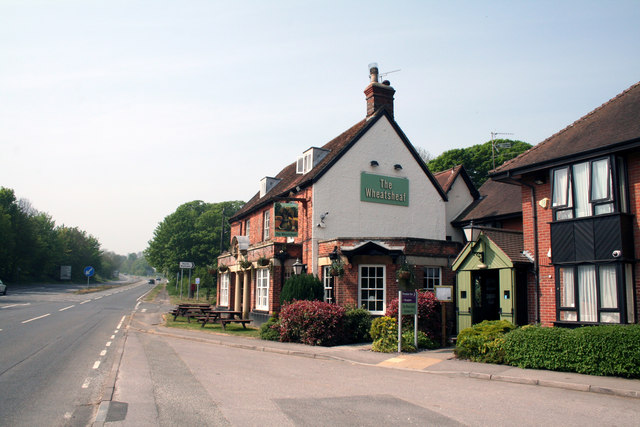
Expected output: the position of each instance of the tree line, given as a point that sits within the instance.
(33, 248)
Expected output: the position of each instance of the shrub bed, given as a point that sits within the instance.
(592, 350)
(270, 330)
(384, 333)
(482, 342)
(357, 325)
(313, 323)
(428, 315)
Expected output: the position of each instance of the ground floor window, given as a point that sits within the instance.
(372, 288)
(593, 293)
(262, 289)
(224, 289)
(328, 281)
(432, 277)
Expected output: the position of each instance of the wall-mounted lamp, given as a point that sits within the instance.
(397, 166)
(298, 267)
(374, 163)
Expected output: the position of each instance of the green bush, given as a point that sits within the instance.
(592, 350)
(384, 333)
(302, 287)
(429, 315)
(483, 342)
(357, 325)
(312, 323)
(270, 330)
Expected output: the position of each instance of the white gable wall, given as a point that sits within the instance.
(459, 198)
(338, 192)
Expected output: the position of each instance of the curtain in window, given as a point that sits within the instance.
(608, 287)
(600, 180)
(567, 293)
(587, 292)
(560, 181)
(582, 206)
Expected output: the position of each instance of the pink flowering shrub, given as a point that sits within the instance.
(312, 323)
(428, 315)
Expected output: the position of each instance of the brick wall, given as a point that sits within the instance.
(633, 171)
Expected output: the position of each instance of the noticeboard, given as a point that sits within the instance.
(444, 293)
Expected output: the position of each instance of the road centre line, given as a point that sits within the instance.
(15, 305)
(95, 365)
(85, 301)
(112, 336)
(86, 383)
(103, 352)
(36, 318)
(67, 308)
(107, 345)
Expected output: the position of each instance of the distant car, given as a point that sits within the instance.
(3, 288)
(152, 282)
(159, 279)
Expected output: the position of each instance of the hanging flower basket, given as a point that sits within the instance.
(263, 262)
(403, 274)
(222, 268)
(337, 269)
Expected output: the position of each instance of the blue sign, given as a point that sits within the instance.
(89, 271)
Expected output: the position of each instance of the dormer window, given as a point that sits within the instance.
(266, 184)
(309, 159)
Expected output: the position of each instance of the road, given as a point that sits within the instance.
(56, 348)
(165, 379)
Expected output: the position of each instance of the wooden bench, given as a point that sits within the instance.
(244, 322)
(190, 310)
(215, 316)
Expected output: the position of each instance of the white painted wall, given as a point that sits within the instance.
(338, 192)
(459, 198)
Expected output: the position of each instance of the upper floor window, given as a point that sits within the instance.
(584, 189)
(265, 233)
(247, 224)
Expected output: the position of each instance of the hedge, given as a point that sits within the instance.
(483, 341)
(313, 323)
(302, 287)
(593, 350)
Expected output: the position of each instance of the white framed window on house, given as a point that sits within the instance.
(372, 288)
(224, 289)
(586, 189)
(432, 277)
(266, 221)
(328, 280)
(247, 229)
(262, 289)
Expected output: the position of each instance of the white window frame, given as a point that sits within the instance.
(247, 226)
(266, 220)
(430, 281)
(366, 303)
(262, 289)
(329, 285)
(224, 289)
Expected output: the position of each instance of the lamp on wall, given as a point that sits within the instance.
(397, 166)
(298, 267)
(334, 256)
(374, 163)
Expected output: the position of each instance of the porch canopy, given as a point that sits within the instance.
(372, 248)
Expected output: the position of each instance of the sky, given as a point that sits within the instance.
(114, 113)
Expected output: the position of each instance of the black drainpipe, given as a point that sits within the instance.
(536, 271)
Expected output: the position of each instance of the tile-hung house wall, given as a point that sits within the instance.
(364, 200)
(581, 200)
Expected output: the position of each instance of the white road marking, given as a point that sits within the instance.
(86, 383)
(103, 352)
(67, 308)
(95, 365)
(144, 310)
(15, 305)
(108, 343)
(85, 301)
(68, 415)
(97, 298)
(112, 336)
(36, 318)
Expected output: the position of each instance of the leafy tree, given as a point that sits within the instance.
(477, 159)
(195, 232)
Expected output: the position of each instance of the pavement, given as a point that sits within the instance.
(428, 362)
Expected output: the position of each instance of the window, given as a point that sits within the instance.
(589, 293)
(262, 289)
(247, 224)
(265, 233)
(305, 163)
(372, 288)
(584, 189)
(431, 277)
(224, 289)
(328, 280)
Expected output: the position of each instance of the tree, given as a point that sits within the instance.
(192, 233)
(477, 159)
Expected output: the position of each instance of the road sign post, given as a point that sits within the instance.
(188, 265)
(89, 271)
(407, 304)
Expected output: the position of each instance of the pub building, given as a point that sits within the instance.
(352, 212)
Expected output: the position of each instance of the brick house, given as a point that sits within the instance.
(580, 192)
(364, 201)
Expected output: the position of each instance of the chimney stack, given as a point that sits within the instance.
(378, 95)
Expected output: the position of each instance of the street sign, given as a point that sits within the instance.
(89, 271)
(197, 280)
(186, 264)
(409, 303)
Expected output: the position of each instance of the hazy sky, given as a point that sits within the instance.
(113, 113)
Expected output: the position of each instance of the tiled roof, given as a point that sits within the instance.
(448, 177)
(511, 242)
(289, 179)
(497, 199)
(614, 124)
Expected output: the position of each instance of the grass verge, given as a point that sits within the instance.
(232, 329)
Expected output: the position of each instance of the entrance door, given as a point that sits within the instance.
(485, 296)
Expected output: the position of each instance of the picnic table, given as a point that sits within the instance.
(223, 317)
(190, 310)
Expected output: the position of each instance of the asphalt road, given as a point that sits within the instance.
(56, 347)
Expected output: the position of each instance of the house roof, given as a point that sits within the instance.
(447, 178)
(497, 200)
(613, 126)
(290, 180)
(511, 242)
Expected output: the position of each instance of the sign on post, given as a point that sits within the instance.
(89, 271)
(407, 305)
(186, 264)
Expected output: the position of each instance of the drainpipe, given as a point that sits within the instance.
(536, 263)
